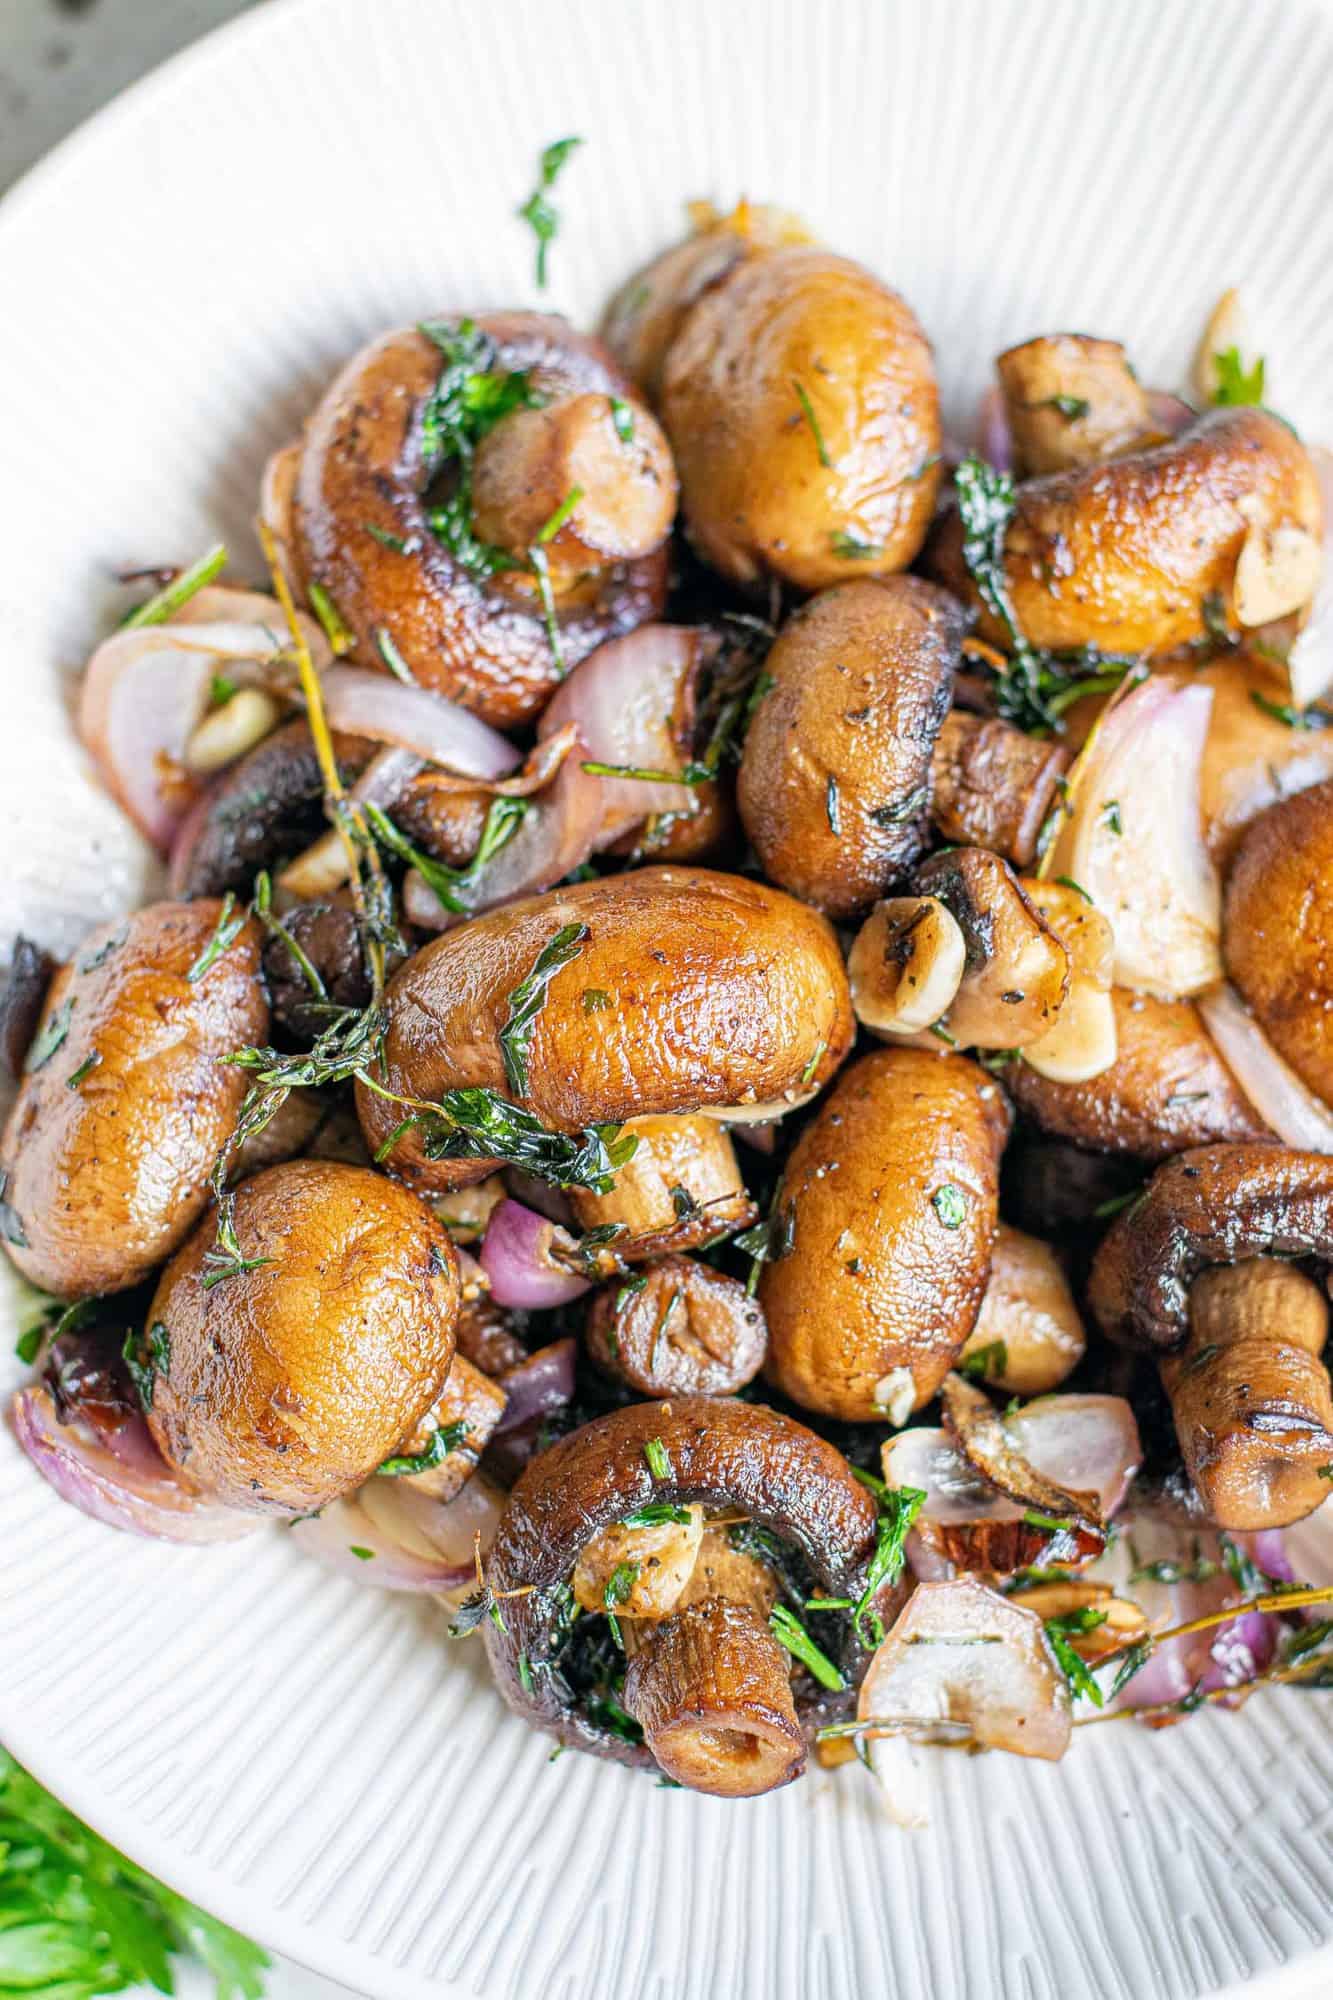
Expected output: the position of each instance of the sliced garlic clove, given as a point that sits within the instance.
(1081, 1042)
(226, 733)
(1277, 572)
(906, 965)
(1227, 326)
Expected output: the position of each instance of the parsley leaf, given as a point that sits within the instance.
(1237, 387)
(529, 997)
(540, 215)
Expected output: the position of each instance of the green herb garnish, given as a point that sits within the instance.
(1068, 882)
(1074, 1668)
(387, 649)
(898, 1509)
(529, 997)
(1071, 408)
(335, 630)
(658, 1514)
(143, 1372)
(224, 1260)
(1237, 386)
(539, 214)
(993, 1359)
(444, 1439)
(808, 412)
(1111, 815)
(85, 1068)
(225, 933)
(849, 548)
(808, 1073)
(658, 1459)
(595, 1001)
(950, 1205)
(1313, 717)
(619, 1587)
(362, 1555)
(622, 416)
(789, 1632)
(551, 527)
(49, 1036)
(179, 591)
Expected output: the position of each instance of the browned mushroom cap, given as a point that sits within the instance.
(681, 1328)
(711, 1690)
(21, 997)
(740, 1456)
(992, 785)
(645, 315)
(691, 989)
(1167, 1089)
(1250, 1395)
(266, 807)
(128, 1097)
(887, 1215)
(799, 396)
(834, 785)
(681, 1188)
(482, 640)
(1213, 1205)
(1135, 554)
(1070, 401)
(1277, 931)
(287, 1383)
(1016, 972)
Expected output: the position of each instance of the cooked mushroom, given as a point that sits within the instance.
(834, 787)
(677, 1328)
(639, 1571)
(906, 965)
(30, 973)
(369, 486)
(1071, 401)
(1277, 930)
(799, 396)
(267, 807)
(127, 1097)
(1166, 1089)
(885, 1220)
(992, 785)
(288, 1372)
(681, 1188)
(707, 1688)
(1028, 1333)
(440, 1455)
(1138, 554)
(318, 938)
(1252, 757)
(1249, 1392)
(686, 989)
(1017, 970)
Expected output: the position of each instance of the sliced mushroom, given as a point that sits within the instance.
(961, 1665)
(469, 1399)
(974, 1423)
(906, 965)
(1017, 972)
(1028, 1333)
(1071, 400)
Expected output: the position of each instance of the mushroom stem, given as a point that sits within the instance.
(681, 1187)
(711, 1690)
(992, 786)
(1250, 1396)
(533, 465)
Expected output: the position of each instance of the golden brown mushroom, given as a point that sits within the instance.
(1240, 1343)
(1251, 757)
(678, 1328)
(886, 1219)
(128, 1100)
(1017, 970)
(288, 1377)
(1142, 553)
(1277, 930)
(1070, 400)
(369, 481)
(799, 396)
(690, 989)
(681, 1188)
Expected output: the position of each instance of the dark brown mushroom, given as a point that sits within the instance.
(327, 942)
(993, 785)
(30, 973)
(711, 1690)
(739, 1456)
(1167, 1089)
(265, 808)
(679, 1328)
(1249, 1393)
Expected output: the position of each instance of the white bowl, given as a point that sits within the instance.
(313, 1761)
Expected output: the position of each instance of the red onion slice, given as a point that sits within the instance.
(1297, 1116)
(538, 1386)
(1088, 1443)
(1310, 661)
(1146, 868)
(130, 1488)
(995, 440)
(1170, 414)
(516, 1257)
(363, 703)
(393, 1539)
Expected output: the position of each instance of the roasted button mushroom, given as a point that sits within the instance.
(1249, 1393)
(30, 973)
(707, 1693)
(682, 988)
(681, 1188)
(886, 1218)
(1140, 553)
(677, 1328)
(289, 1371)
(1070, 401)
(1167, 1088)
(127, 1099)
(1016, 972)
(992, 785)
(1277, 931)
(1028, 1334)
(835, 777)
(380, 473)
(268, 807)
(799, 396)
(322, 938)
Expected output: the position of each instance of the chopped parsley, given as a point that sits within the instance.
(1071, 408)
(658, 1514)
(850, 548)
(362, 1555)
(1237, 386)
(1314, 717)
(1068, 882)
(540, 215)
(335, 630)
(619, 1588)
(993, 1359)
(658, 1459)
(898, 1509)
(950, 1205)
(1111, 816)
(85, 1068)
(1072, 1665)
(817, 1056)
(444, 1439)
(551, 527)
(529, 997)
(622, 416)
(469, 399)
(789, 1632)
(388, 651)
(49, 1036)
(146, 1357)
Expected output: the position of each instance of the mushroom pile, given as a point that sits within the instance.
(735, 1078)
